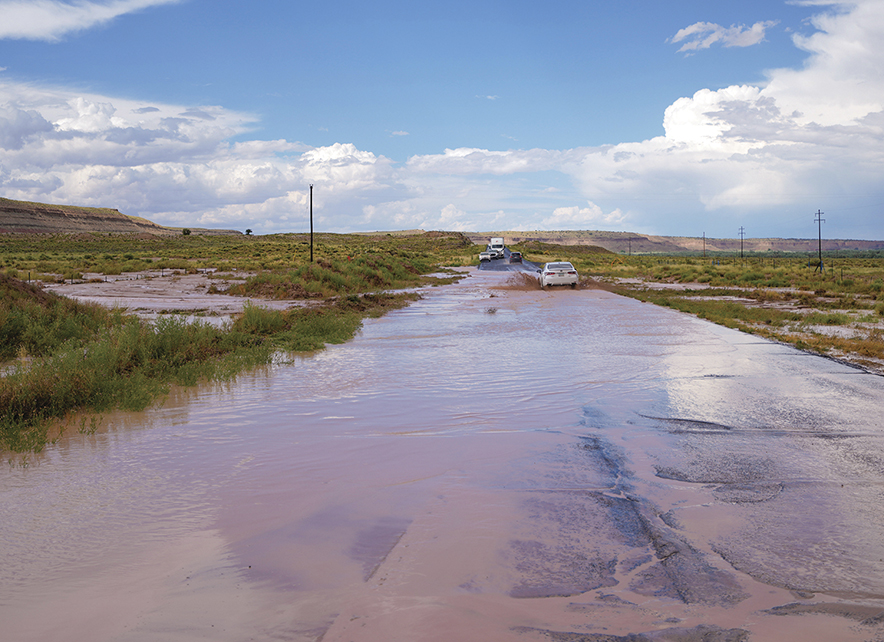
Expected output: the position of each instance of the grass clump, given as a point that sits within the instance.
(34, 322)
(126, 365)
(311, 327)
(332, 277)
(826, 318)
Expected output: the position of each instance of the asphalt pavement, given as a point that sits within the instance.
(504, 264)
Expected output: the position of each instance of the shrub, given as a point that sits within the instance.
(826, 318)
(260, 321)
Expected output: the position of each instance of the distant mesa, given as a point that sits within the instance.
(630, 242)
(22, 217)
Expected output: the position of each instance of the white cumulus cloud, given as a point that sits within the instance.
(581, 218)
(51, 19)
(761, 156)
(702, 35)
(809, 136)
(170, 163)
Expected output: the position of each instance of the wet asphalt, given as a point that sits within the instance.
(485, 464)
(504, 264)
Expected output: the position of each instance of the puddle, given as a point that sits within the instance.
(574, 465)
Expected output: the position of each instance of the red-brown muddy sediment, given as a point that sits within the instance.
(487, 464)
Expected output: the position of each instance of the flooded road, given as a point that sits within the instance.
(487, 464)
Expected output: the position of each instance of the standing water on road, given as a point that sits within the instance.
(491, 463)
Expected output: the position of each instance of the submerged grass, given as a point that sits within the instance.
(127, 366)
(728, 313)
(836, 312)
(64, 357)
(310, 328)
(70, 357)
(107, 360)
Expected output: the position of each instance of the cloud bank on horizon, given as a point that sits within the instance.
(762, 155)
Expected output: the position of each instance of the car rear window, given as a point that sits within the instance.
(560, 266)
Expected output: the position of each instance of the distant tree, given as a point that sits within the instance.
(248, 232)
(185, 232)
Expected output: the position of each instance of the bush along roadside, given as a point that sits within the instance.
(121, 362)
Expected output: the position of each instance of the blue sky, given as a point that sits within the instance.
(675, 117)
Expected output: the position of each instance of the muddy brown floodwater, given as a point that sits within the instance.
(488, 464)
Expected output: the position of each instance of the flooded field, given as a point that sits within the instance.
(488, 464)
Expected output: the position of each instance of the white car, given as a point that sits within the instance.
(558, 273)
(486, 255)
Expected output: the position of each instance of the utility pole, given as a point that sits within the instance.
(311, 222)
(819, 220)
(704, 245)
(742, 234)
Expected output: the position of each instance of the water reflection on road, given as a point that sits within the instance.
(486, 464)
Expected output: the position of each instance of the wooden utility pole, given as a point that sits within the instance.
(311, 222)
(819, 220)
(704, 245)
(742, 234)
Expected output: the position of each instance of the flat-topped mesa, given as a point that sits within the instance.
(636, 243)
(21, 217)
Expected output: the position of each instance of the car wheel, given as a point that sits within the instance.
(573, 285)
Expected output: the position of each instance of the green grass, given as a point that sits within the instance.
(72, 357)
(860, 276)
(76, 358)
(82, 358)
(327, 278)
(727, 313)
(66, 254)
(310, 328)
(33, 322)
(126, 365)
(826, 318)
(803, 298)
